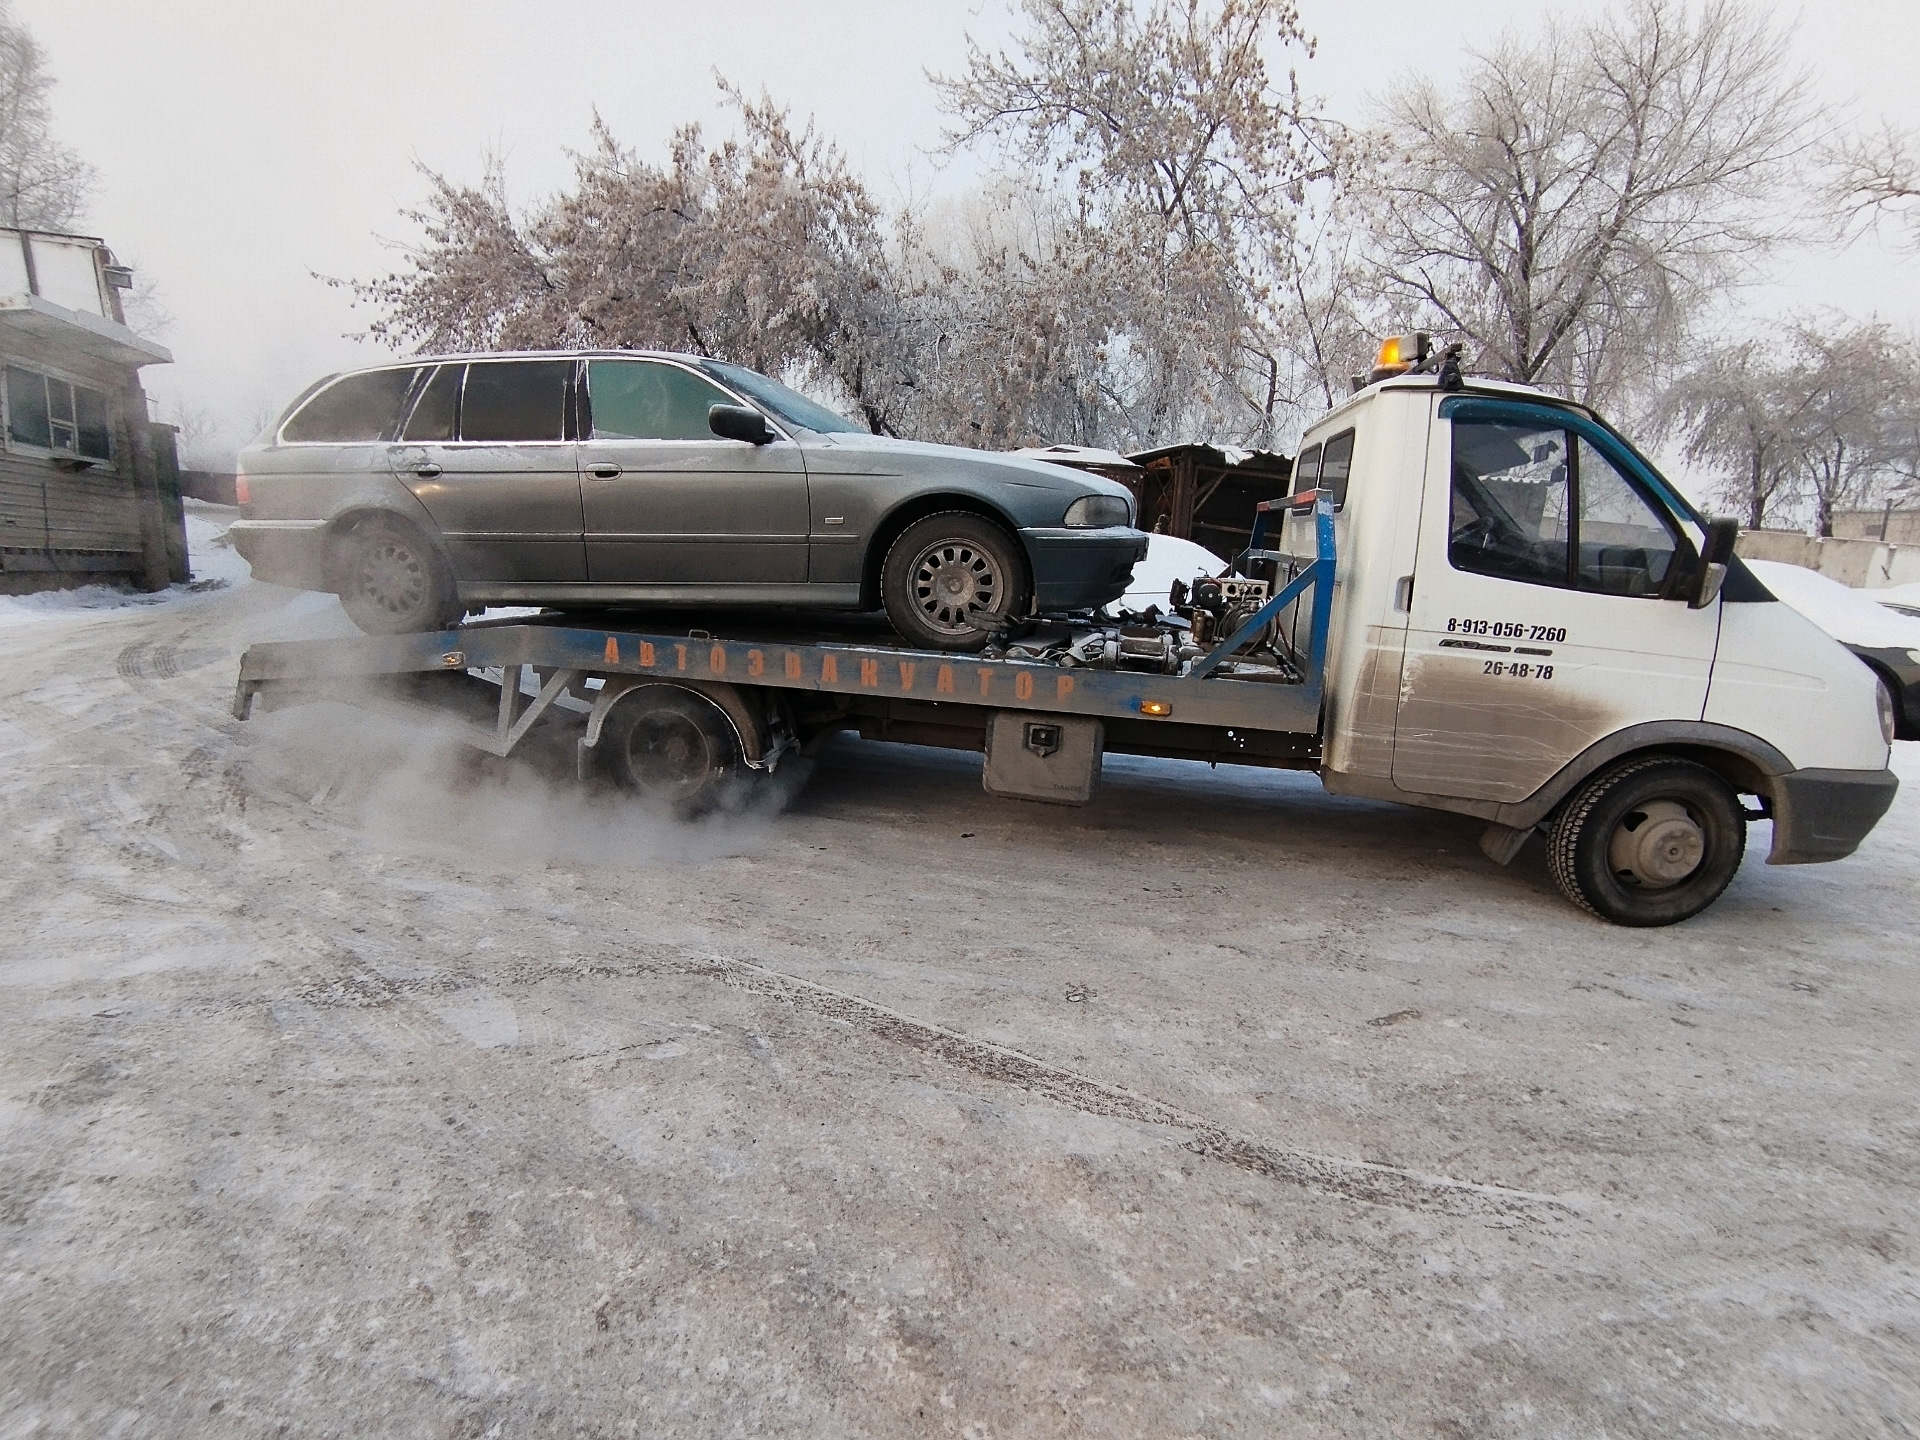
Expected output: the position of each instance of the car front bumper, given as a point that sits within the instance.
(1081, 569)
(283, 552)
(1825, 814)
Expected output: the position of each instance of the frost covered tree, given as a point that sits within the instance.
(1877, 177)
(43, 184)
(1178, 162)
(1824, 416)
(1573, 205)
(766, 250)
(1856, 404)
(1738, 416)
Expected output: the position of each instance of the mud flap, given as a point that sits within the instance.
(1500, 843)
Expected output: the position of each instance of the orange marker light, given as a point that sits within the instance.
(1156, 708)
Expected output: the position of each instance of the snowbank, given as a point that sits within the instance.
(1853, 617)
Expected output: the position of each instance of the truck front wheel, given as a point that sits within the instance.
(1648, 842)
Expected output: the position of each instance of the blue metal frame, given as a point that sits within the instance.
(1318, 575)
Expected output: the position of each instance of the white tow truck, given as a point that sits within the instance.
(1480, 599)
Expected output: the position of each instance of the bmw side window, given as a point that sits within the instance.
(637, 400)
(515, 401)
(437, 412)
(1510, 512)
(355, 408)
(1626, 547)
(1336, 462)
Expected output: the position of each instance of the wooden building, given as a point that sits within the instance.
(89, 487)
(1207, 494)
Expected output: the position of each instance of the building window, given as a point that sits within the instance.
(48, 413)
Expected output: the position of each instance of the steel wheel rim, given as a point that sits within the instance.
(393, 578)
(1656, 846)
(954, 581)
(668, 753)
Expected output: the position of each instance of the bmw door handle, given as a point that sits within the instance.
(604, 470)
(427, 471)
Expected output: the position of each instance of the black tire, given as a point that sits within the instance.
(952, 582)
(392, 581)
(674, 748)
(1605, 858)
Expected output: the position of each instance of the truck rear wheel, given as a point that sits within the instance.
(952, 581)
(673, 747)
(1648, 842)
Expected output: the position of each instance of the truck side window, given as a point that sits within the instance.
(1510, 513)
(1626, 548)
(637, 400)
(515, 400)
(1306, 475)
(1335, 464)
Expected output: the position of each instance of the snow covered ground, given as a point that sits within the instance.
(354, 1086)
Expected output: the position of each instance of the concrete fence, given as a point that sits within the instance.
(1863, 564)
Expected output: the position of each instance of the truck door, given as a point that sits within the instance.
(669, 502)
(1541, 619)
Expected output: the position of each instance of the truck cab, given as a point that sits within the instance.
(1531, 624)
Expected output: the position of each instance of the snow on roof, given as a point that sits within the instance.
(1850, 616)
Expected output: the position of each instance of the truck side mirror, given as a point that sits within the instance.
(1714, 559)
(737, 422)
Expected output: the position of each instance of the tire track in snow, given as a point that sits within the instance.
(1361, 1180)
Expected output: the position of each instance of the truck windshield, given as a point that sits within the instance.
(788, 405)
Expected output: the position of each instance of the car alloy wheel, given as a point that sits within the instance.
(391, 581)
(954, 582)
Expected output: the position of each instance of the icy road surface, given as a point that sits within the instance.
(350, 1088)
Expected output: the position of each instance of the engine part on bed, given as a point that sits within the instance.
(1218, 605)
(1159, 647)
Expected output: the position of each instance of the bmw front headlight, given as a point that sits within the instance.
(1097, 512)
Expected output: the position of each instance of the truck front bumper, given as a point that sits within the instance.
(283, 552)
(1825, 814)
(1082, 569)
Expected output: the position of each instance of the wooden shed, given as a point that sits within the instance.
(1207, 493)
(89, 487)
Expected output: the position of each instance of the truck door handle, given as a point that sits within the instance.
(426, 471)
(1403, 595)
(604, 470)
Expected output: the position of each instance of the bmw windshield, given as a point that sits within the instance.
(788, 405)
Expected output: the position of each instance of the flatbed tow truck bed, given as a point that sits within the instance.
(784, 684)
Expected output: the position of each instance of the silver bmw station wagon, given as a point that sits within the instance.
(419, 491)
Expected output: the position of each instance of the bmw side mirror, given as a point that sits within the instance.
(1714, 559)
(737, 422)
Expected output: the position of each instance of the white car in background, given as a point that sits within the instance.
(1881, 627)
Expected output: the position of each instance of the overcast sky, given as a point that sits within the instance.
(244, 145)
